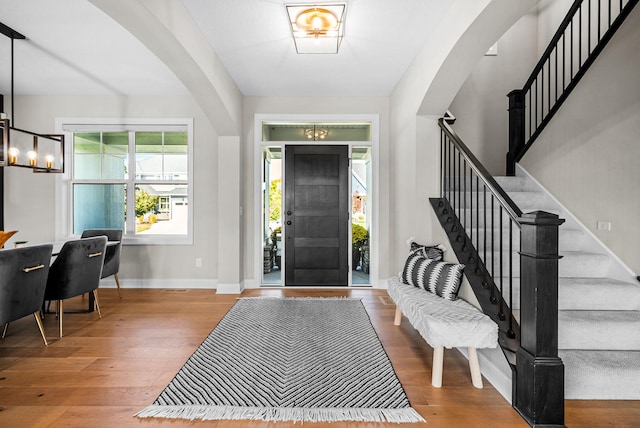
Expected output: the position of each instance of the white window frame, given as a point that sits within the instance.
(64, 182)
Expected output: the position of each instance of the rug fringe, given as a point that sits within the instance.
(279, 414)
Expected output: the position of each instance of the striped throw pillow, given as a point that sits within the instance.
(440, 278)
(435, 252)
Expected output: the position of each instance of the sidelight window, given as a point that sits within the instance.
(274, 137)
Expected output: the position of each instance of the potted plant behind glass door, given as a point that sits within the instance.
(359, 236)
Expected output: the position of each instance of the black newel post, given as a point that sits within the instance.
(516, 128)
(539, 394)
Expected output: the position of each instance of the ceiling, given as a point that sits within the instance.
(73, 48)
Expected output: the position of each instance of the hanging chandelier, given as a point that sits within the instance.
(26, 149)
(316, 133)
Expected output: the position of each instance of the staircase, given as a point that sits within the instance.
(599, 308)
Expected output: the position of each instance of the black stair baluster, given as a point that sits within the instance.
(598, 25)
(492, 298)
(484, 226)
(501, 299)
(477, 218)
(510, 332)
(471, 206)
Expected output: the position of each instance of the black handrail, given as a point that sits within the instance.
(531, 350)
(459, 170)
(482, 173)
(569, 55)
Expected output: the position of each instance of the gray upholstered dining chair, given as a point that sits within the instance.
(76, 271)
(112, 255)
(23, 278)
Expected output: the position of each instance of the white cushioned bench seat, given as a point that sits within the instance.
(444, 324)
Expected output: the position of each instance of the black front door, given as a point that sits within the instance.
(316, 215)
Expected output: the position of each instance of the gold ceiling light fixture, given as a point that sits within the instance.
(317, 29)
(18, 147)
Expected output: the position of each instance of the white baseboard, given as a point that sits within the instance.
(224, 288)
(251, 283)
(173, 283)
(496, 375)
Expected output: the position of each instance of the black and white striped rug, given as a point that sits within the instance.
(288, 359)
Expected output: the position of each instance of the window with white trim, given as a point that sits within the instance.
(134, 177)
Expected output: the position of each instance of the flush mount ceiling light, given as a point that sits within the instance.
(317, 29)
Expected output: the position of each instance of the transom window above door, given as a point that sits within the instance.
(316, 131)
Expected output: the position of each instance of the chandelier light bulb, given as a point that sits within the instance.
(33, 158)
(13, 155)
(48, 159)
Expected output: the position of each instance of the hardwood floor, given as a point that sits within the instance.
(105, 370)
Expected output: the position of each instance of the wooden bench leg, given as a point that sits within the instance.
(398, 318)
(474, 365)
(436, 369)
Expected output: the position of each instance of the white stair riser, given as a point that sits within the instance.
(605, 330)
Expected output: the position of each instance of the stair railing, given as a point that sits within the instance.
(482, 223)
(582, 35)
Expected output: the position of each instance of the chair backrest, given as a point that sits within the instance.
(77, 268)
(112, 254)
(23, 277)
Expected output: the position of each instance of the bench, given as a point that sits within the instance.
(444, 324)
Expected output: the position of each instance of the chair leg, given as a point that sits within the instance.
(60, 312)
(40, 326)
(118, 284)
(4, 330)
(436, 369)
(474, 366)
(95, 297)
(398, 318)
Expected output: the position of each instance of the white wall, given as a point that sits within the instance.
(551, 13)
(313, 106)
(588, 155)
(30, 198)
(481, 105)
(415, 104)
(467, 31)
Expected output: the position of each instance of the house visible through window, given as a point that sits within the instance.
(136, 179)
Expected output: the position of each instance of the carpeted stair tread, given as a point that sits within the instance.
(604, 294)
(599, 317)
(601, 375)
(572, 264)
(511, 184)
(525, 200)
(569, 239)
(583, 264)
(598, 294)
(599, 330)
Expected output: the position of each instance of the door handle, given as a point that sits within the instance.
(289, 223)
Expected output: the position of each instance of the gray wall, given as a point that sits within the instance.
(30, 198)
(588, 156)
(481, 104)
